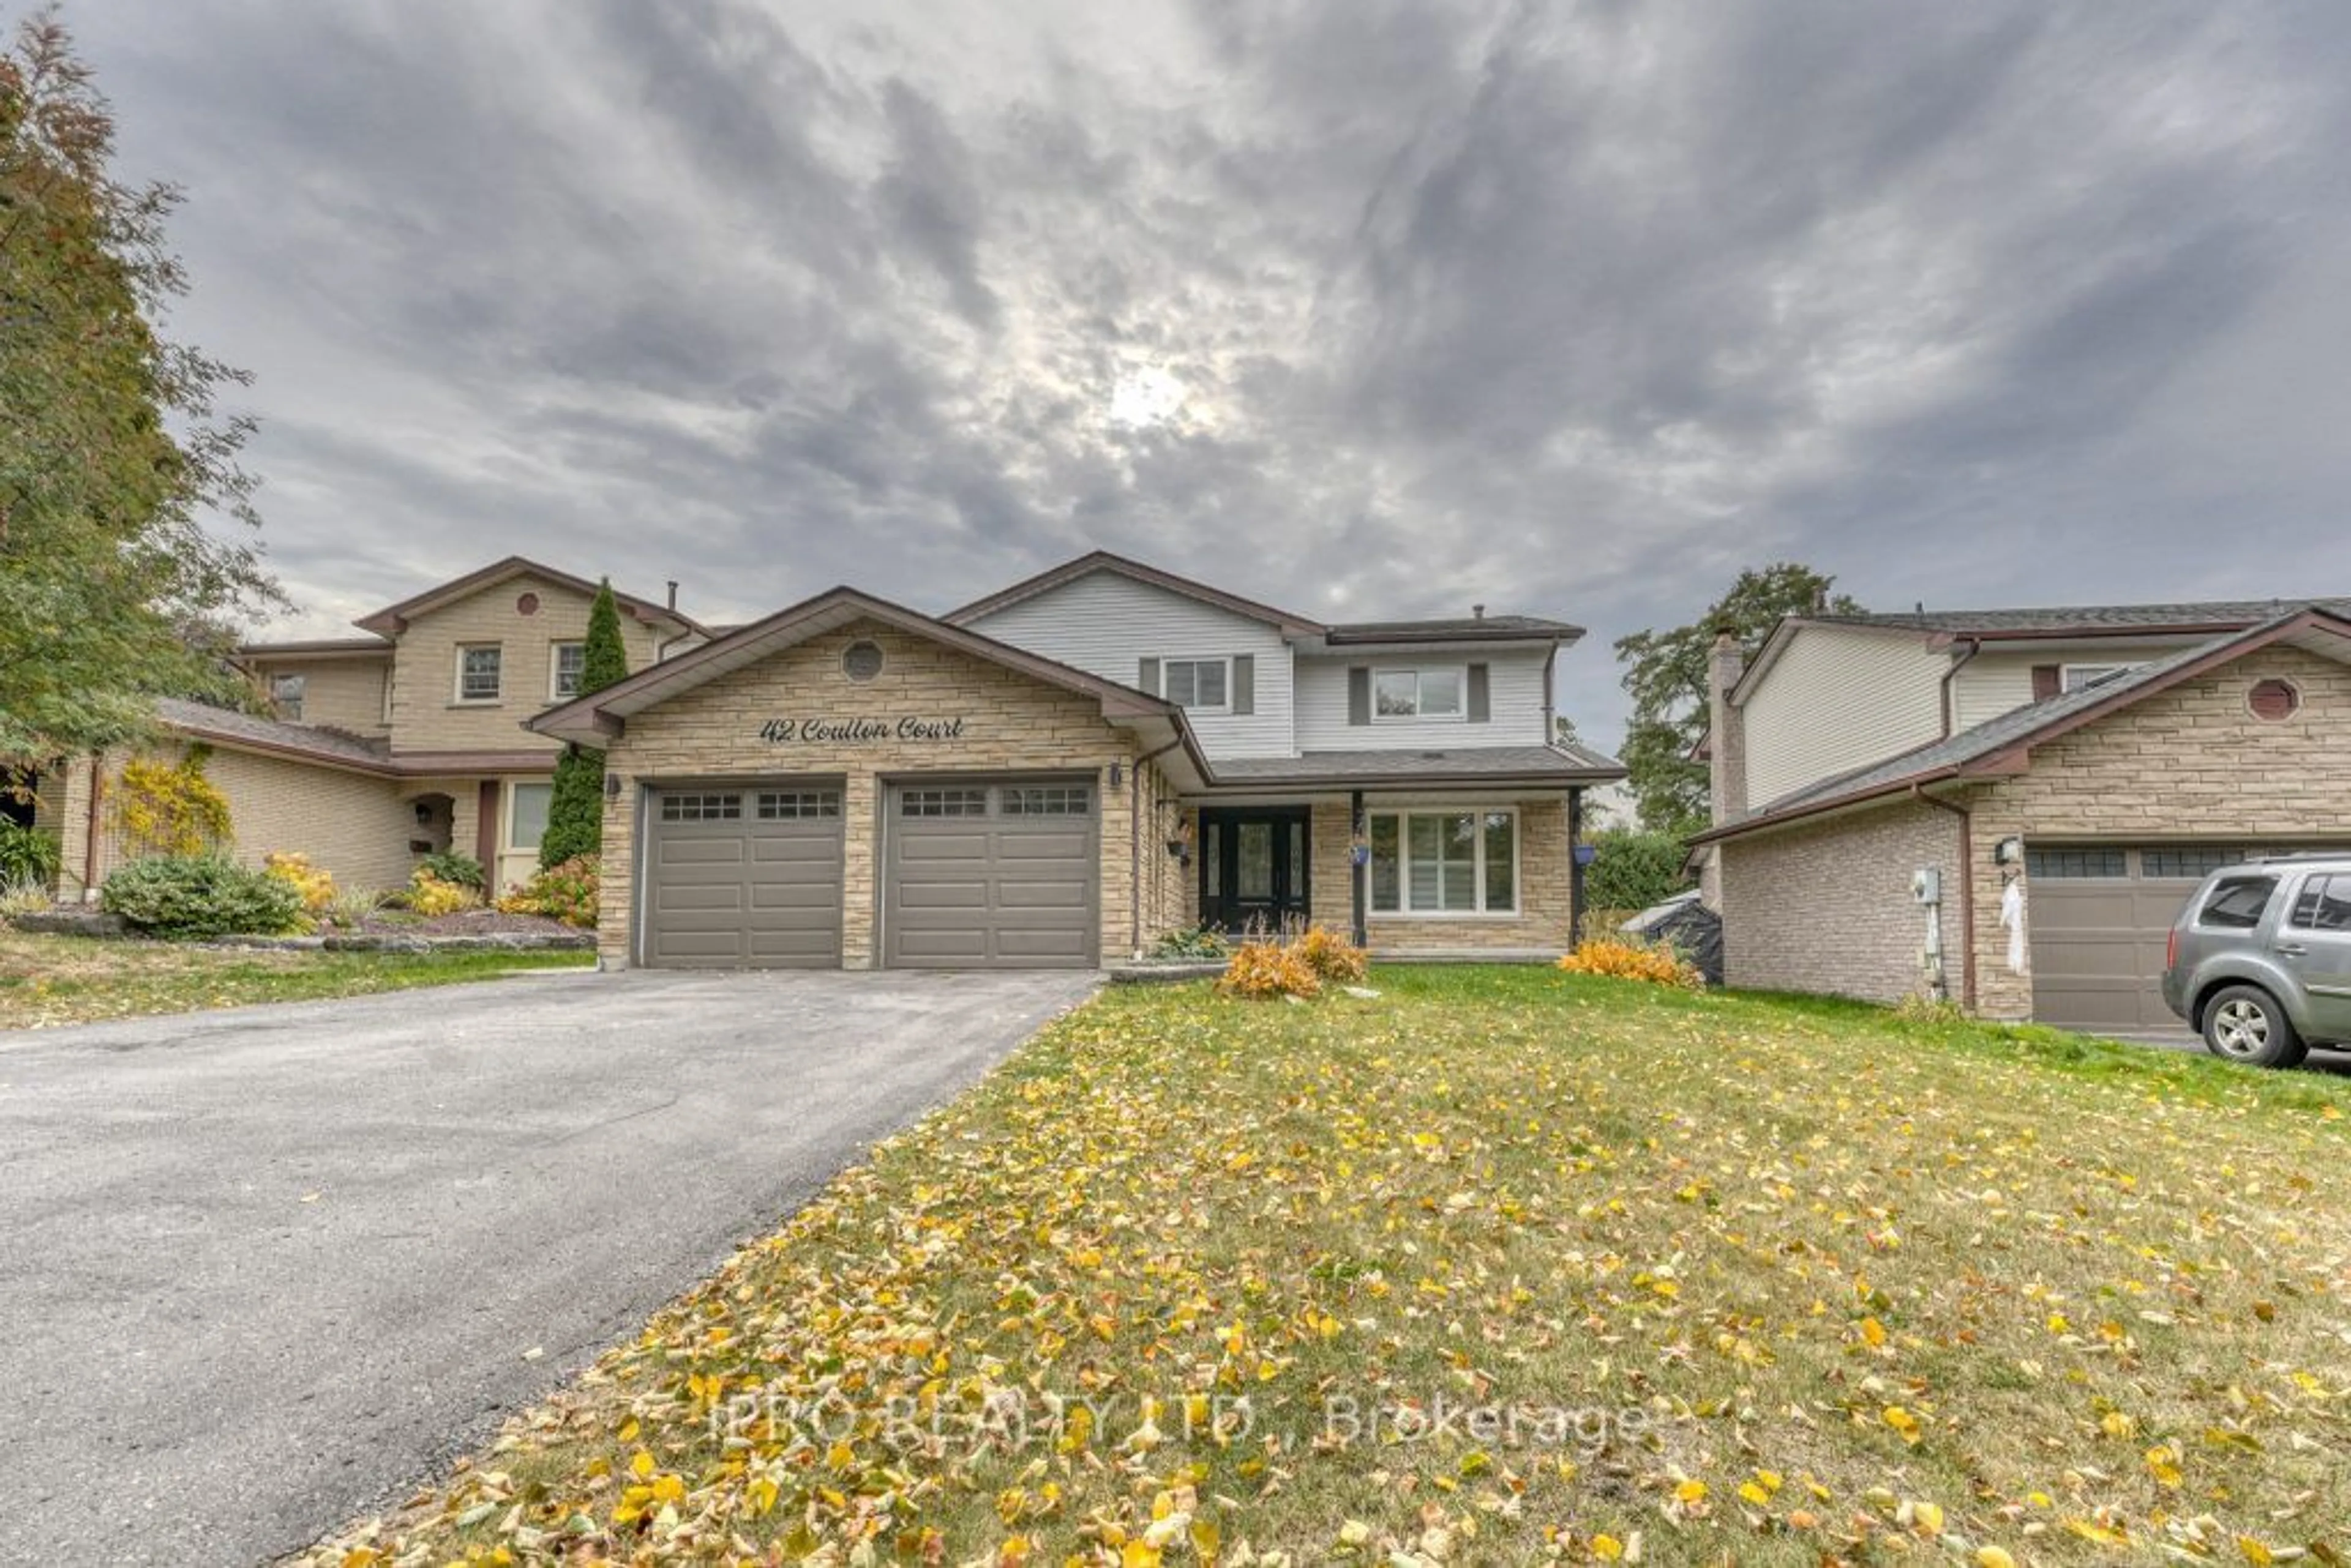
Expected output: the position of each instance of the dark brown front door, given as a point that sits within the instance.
(1254, 863)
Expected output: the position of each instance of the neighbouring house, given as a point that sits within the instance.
(386, 747)
(1066, 770)
(1054, 774)
(2007, 807)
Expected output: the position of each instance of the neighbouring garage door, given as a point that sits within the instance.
(991, 875)
(744, 878)
(2099, 915)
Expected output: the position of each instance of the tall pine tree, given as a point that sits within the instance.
(575, 808)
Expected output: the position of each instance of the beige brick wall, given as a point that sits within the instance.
(341, 693)
(1011, 723)
(65, 804)
(356, 826)
(426, 714)
(1827, 907)
(2188, 763)
(1546, 891)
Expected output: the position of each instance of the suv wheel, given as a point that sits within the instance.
(2245, 1024)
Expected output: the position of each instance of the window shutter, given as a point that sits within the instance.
(1359, 694)
(1245, 682)
(2048, 680)
(1147, 676)
(1480, 706)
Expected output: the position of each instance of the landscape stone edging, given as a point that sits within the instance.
(397, 941)
(1145, 971)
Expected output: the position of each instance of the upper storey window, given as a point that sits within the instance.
(480, 672)
(285, 696)
(1198, 683)
(570, 658)
(1418, 693)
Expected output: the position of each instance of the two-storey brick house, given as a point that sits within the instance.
(1060, 772)
(2008, 807)
(392, 746)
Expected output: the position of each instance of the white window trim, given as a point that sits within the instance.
(1460, 712)
(2104, 671)
(1224, 659)
(457, 693)
(1404, 863)
(555, 665)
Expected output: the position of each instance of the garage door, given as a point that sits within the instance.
(2099, 917)
(991, 875)
(744, 878)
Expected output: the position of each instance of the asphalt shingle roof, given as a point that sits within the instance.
(1569, 766)
(2220, 614)
(228, 724)
(1451, 628)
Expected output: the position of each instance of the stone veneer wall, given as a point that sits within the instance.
(1543, 923)
(1013, 723)
(1827, 906)
(2191, 762)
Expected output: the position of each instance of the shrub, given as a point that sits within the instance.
(167, 808)
(566, 892)
(201, 895)
(1193, 942)
(29, 854)
(1631, 870)
(1918, 1007)
(459, 870)
(349, 906)
(1332, 957)
(1623, 960)
(1260, 971)
(20, 896)
(428, 895)
(314, 884)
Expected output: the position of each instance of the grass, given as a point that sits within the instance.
(47, 980)
(1509, 1267)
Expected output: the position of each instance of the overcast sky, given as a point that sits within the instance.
(1366, 308)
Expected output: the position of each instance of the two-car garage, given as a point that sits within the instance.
(975, 872)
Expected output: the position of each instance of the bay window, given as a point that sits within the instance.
(1444, 862)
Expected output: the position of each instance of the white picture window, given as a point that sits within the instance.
(1196, 683)
(1444, 862)
(479, 671)
(526, 814)
(286, 695)
(1418, 693)
(570, 658)
(2077, 676)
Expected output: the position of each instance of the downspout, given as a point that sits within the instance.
(1575, 867)
(1135, 845)
(1950, 714)
(89, 829)
(1967, 892)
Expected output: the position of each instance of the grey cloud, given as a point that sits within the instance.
(1571, 309)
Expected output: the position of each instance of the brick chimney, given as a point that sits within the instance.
(1727, 747)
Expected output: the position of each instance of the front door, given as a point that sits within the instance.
(1253, 868)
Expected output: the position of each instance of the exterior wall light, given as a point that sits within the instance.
(611, 786)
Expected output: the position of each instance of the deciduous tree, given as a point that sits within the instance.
(1665, 673)
(126, 524)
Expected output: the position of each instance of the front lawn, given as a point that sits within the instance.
(1498, 1267)
(49, 980)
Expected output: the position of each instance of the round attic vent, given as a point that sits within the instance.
(862, 661)
(2273, 701)
(527, 604)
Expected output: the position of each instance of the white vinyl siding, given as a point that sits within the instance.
(1514, 698)
(1838, 699)
(1997, 681)
(1106, 624)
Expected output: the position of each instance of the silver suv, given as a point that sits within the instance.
(2260, 959)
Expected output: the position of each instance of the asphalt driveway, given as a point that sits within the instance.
(265, 1267)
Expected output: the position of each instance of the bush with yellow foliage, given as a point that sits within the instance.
(316, 883)
(1260, 971)
(1617, 960)
(1331, 956)
(428, 895)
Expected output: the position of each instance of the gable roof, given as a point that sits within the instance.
(1094, 562)
(394, 619)
(603, 714)
(2002, 745)
(1456, 629)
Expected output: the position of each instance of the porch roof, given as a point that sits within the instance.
(1557, 766)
